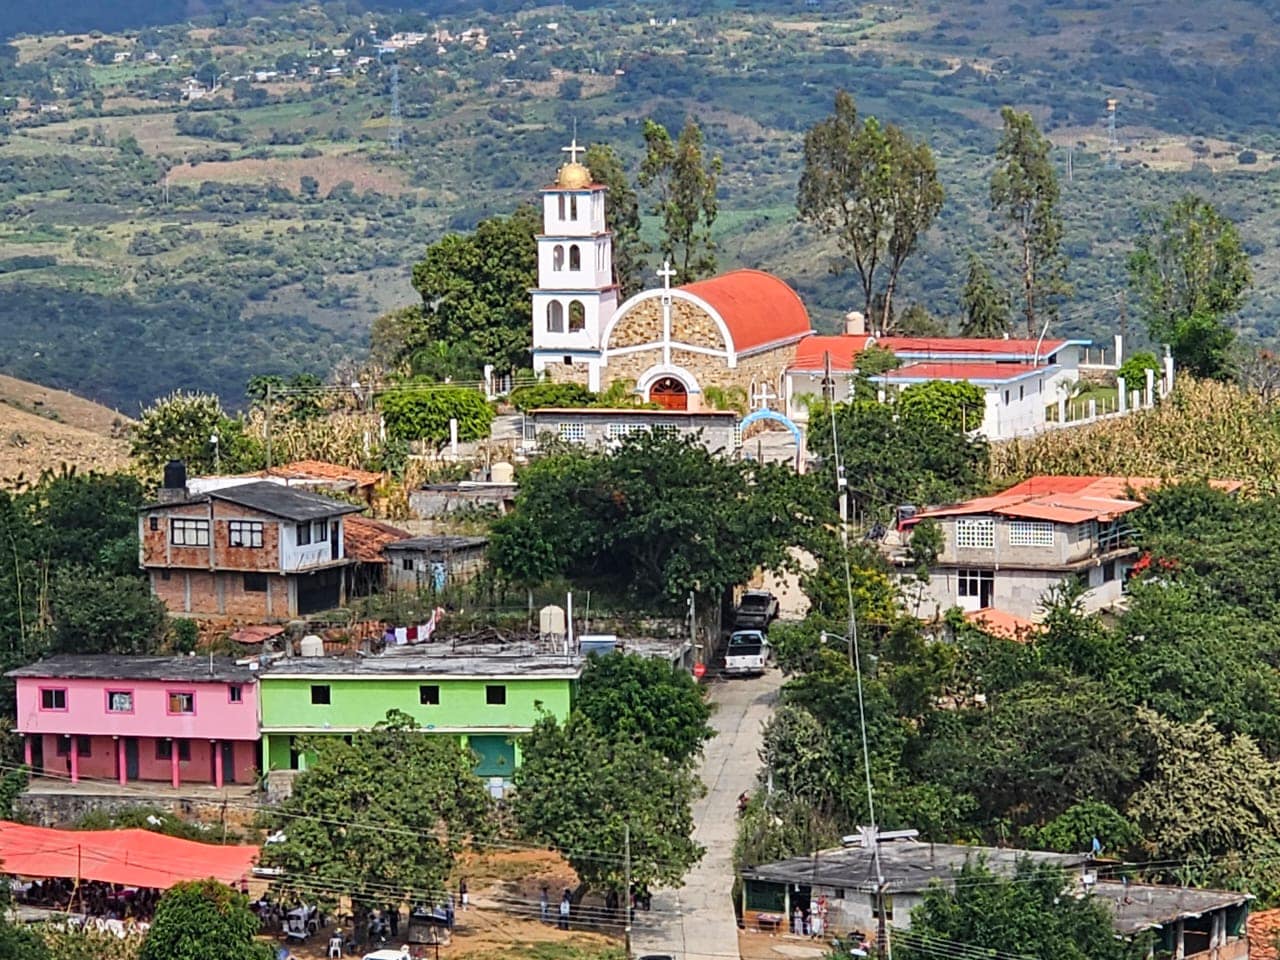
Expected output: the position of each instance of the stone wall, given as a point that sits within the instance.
(66, 809)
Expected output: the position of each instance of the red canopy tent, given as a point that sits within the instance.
(134, 858)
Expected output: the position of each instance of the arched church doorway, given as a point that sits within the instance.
(669, 393)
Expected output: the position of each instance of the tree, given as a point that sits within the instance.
(181, 426)
(644, 699)
(381, 817)
(985, 302)
(423, 411)
(100, 613)
(958, 406)
(579, 790)
(203, 920)
(876, 191)
(1024, 192)
(475, 289)
(1134, 369)
(1032, 908)
(1188, 271)
(686, 196)
(622, 214)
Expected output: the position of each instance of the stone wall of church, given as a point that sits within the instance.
(764, 367)
(643, 324)
(559, 372)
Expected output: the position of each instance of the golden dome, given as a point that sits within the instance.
(574, 176)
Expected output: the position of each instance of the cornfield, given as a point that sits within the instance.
(1204, 430)
(347, 438)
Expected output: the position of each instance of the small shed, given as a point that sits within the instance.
(433, 562)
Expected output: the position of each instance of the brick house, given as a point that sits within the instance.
(174, 719)
(255, 550)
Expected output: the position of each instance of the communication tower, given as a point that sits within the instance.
(395, 129)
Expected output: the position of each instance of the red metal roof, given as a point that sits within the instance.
(971, 372)
(757, 307)
(1097, 485)
(1003, 624)
(1068, 509)
(970, 346)
(812, 353)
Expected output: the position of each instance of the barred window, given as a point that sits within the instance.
(573, 432)
(1030, 533)
(244, 533)
(189, 533)
(975, 534)
(616, 431)
(668, 431)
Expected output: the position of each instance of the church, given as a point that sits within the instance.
(738, 329)
(750, 330)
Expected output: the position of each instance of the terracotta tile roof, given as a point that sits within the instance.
(256, 634)
(1264, 928)
(757, 307)
(811, 353)
(971, 372)
(365, 537)
(321, 470)
(1003, 624)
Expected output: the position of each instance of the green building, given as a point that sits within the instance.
(488, 701)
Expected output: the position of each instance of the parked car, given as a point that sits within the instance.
(747, 654)
(756, 610)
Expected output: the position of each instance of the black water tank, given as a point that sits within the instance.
(175, 475)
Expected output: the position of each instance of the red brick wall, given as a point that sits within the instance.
(220, 594)
(157, 551)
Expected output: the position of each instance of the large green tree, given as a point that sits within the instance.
(578, 790)
(422, 411)
(684, 180)
(381, 817)
(876, 191)
(475, 291)
(1032, 912)
(644, 699)
(985, 302)
(203, 920)
(102, 613)
(1189, 271)
(622, 215)
(662, 516)
(1024, 194)
(181, 426)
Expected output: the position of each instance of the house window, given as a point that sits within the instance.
(562, 200)
(1030, 533)
(119, 701)
(406, 563)
(235, 693)
(573, 207)
(888, 907)
(1108, 571)
(573, 432)
(429, 694)
(53, 699)
(1006, 398)
(182, 701)
(972, 583)
(319, 694)
(164, 750)
(303, 533)
(255, 583)
(189, 533)
(84, 746)
(244, 533)
(166, 575)
(557, 254)
(975, 534)
(1021, 394)
(320, 531)
(668, 431)
(575, 257)
(495, 694)
(616, 431)
(153, 523)
(577, 316)
(555, 317)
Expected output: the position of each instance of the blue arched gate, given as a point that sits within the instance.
(796, 432)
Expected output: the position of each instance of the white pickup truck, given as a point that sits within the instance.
(747, 654)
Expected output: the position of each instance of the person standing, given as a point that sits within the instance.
(462, 892)
(544, 905)
(564, 911)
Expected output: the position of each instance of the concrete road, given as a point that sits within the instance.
(697, 921)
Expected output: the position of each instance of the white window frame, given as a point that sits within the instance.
(571, 432)
(188, 532)
(1030, 533)
(244, 533)
(619, 431)
(119, 701)
(975, 533)
(969, 582)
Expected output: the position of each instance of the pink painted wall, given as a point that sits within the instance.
(215, 717)
(100, 764)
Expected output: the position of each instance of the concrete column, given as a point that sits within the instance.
(75, 761)
(1062, 409)
(1168, 370)
(217, 763)
(1122, 395)
(124, 773)
(1093, 409)
(1119, 350)
(1151, 387)
(26, 749)
(175, 771)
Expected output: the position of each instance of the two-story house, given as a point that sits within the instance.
(174, 719)
(256, 550)
(1007, 551)
(486, 699)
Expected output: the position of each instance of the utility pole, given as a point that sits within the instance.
(270, 412)
(626, 898)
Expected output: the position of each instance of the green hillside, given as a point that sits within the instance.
(284, 224)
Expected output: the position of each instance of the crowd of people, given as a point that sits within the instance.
(107, 901)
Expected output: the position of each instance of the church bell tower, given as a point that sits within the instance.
(576, 294)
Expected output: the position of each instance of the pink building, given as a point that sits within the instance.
(175, 719)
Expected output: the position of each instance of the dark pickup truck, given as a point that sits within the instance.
(756, 610)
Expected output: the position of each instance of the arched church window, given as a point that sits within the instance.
(577, 315)
(555, 317)
(573, 207)
(575, 257)
(557, 257)
(562, 206)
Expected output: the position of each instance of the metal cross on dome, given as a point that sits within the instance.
(666, 273)
(573, 149)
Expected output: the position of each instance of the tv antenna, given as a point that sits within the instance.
(395, 129)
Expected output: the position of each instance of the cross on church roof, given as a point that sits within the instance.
(666, 273)
(573, 149)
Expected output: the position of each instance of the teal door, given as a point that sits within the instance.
(497, 755)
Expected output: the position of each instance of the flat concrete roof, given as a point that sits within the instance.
(115, 667)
